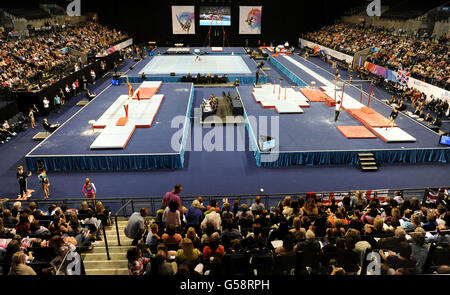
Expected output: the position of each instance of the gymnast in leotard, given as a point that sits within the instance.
(393, 116)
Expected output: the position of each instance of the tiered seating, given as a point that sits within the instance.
(415, 9)
(40, 243)
(283, 242)
(29, 13)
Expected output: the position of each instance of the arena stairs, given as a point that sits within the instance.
(95, 260)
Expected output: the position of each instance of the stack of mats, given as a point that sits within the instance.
(315, 95)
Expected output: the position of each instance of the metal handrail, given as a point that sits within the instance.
(106, 243)
(62, 263)
(230, 195)
(266, 197)
(117, 214)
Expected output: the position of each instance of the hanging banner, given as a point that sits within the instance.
(183, 20)
(250, 20)
(424, 87)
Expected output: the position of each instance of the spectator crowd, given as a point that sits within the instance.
(36, 241)
(25, 62)
(426, 59)
(311, 235)
(315, 234)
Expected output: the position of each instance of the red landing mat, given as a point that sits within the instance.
(145, 93)
(314, 95)
(370, 120)
(355, 132)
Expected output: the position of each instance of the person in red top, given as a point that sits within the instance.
(77, 86)
(214, 249)
(171, 237)
(340, 214)
(213, 206)
(136, 263)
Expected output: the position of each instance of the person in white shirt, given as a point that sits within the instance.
(257, 205)
(93, 76)
(91, 219)
(172, 214)
(6, 128)
(212, 218)
(74, 89)
(67, 91)
(46, 103)
(338, 110)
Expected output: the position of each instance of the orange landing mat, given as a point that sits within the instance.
(368, 110)
(314, 95)
(355, 132)
(122, 121)
(370, 120)
(145, 93)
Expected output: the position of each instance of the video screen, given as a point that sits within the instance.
(445, 140)
(215, 16)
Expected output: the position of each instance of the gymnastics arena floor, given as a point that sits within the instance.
(208, 173)
(312, 138)
(184, 64)
(215, 172)
(160, 67)
(68, 148)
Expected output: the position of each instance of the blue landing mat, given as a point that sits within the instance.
(148, 148)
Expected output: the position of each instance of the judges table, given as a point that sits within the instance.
(431, 126)
(206, 113)
(236, 103)
(423, 122)
(238, 109)
(206, 110)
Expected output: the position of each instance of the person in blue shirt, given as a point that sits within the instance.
(442, 236)
(411, 224)
(431, 223)
(57, 100)
(194, 215)
(45, 182)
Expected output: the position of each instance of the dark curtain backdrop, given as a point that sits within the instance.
(282, 21)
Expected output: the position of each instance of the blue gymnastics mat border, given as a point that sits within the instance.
(413, 156)
(294, 78)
